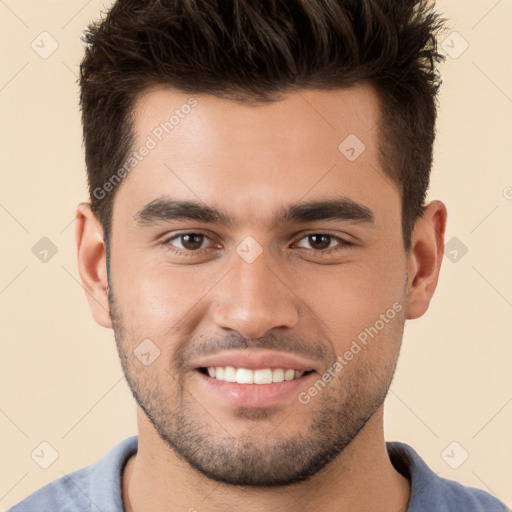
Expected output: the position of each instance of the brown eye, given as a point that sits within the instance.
(196, 247)
(191, 241)
(319, 242)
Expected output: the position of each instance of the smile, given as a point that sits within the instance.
(248, 376)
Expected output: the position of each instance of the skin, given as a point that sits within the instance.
(249, 161)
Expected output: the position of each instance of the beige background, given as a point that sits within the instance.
(61, 380)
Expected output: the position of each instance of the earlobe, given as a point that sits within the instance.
(92, 262)
(425, 257)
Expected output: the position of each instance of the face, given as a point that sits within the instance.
(250, 242)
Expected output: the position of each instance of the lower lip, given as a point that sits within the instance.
(254, 395)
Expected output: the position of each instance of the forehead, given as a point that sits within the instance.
(251, 157)
(319, 116)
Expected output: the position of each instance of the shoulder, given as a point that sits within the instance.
(432, 492)
(61, 495)
(88, 488)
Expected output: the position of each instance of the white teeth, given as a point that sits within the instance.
(289, 374)
(277, 375)
(230, 374)
(246, 376)
(263, 376)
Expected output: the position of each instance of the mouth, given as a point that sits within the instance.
(253, 378)
(261, 376)
(253, 388)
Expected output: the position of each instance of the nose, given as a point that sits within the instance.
(254, 298)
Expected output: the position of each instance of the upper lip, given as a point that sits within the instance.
(257, 360)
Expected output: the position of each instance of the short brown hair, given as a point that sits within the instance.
(254, 50)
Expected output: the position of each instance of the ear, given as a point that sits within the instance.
(425, 257)
(92, 262)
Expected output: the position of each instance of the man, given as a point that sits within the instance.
(257, 237)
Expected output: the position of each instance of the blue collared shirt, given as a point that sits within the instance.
(97, 488)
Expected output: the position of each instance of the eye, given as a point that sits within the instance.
(191, 241)
(198, 245)
(321, 242)
(187, 242)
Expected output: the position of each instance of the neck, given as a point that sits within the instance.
(360, 479)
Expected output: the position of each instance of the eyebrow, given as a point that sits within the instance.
(338, 209)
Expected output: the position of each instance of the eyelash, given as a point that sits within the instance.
(342, 244)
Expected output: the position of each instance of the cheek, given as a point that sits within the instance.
(165, 303)
(351, 297)
(161, 302)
